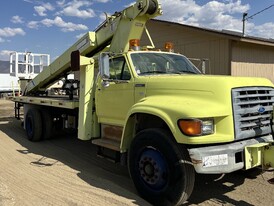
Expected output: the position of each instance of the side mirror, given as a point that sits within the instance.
(75, 60)
(104, 65)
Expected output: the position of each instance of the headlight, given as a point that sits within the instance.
(196, 127)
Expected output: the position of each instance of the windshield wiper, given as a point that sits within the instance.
(189, 72)
(169, 72)
(153, 72)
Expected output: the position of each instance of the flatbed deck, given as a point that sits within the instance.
(52, 101)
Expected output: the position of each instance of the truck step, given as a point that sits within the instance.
(108, 143)
(108, 148)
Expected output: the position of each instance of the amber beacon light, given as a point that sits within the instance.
(169, 46)
(134, 44)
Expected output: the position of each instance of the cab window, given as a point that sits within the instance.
(118, 69)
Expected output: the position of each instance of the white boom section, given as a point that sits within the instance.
(115, 31)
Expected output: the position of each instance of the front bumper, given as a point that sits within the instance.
(223, 158)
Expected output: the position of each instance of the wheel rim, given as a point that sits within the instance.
(153, 169)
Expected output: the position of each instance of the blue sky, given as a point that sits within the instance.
(50, 27)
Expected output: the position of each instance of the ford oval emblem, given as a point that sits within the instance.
(261, 110)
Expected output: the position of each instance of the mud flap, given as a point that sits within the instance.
(261, 154)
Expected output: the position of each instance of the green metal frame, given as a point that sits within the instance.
(87, 123)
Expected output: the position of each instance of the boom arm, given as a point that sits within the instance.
(117, 30)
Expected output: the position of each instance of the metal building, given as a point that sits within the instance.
(225, 52)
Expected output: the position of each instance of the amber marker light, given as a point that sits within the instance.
(134, 44)
(169, 46)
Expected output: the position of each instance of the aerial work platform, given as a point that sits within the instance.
(22, 66)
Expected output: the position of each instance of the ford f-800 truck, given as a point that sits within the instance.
(152, 108)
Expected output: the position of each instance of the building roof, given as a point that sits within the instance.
(233, 35)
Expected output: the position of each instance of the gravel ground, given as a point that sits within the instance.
(66, 171)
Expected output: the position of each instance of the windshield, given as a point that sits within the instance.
(147, 63)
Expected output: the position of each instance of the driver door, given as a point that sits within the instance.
(115, 97)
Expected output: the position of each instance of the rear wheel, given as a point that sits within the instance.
(34, 124)
(161, 171)
(47, 126)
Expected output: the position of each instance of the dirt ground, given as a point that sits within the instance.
(66, 171)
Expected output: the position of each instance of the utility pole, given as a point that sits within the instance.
(244, 18)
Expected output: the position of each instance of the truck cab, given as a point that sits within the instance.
(126, 81)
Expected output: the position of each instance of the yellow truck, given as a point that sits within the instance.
(152, 109)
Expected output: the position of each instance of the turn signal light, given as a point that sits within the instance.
(190, 127)
(196, 127)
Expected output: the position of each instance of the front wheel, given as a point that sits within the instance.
(161, 170)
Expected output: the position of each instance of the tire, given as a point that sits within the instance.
(34, 125)
(47, 124)
(160, 169)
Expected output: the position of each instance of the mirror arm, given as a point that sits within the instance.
(105, 83)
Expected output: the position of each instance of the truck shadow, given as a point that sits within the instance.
(214, 189)
(82, 157)
(76, 154)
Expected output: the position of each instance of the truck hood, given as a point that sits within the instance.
(218, 86)
(193, 96)
(196, 91)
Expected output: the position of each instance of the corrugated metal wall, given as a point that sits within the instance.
(193, 44)
(226, 56)
(252, 60)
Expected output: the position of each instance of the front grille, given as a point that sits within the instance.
(252, 110)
